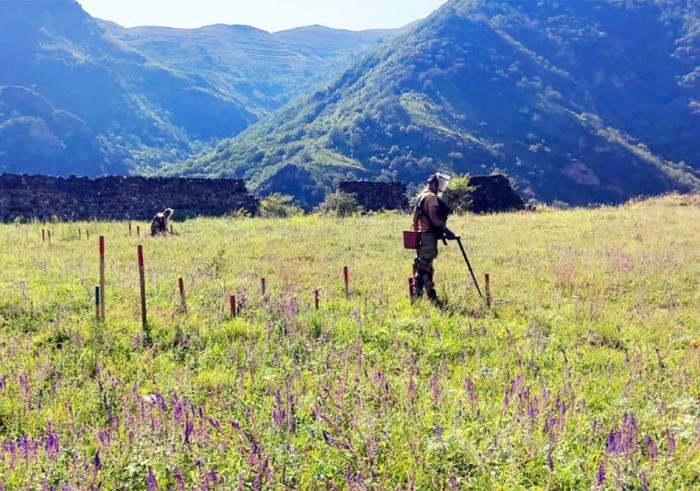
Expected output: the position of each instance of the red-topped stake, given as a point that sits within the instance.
(232, 302)
(346, 277)
(142, 280)
(183, 300)
(487, 280)
(102, 277)
(262, 285)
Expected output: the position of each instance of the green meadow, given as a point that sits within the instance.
(585, 373)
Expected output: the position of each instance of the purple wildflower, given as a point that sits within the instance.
(177, 473)
(670, 443)
(601, 473)
(470, 390)
(151, 480)
(614, 442)
(651, 447)
(643, 478)
(96, 461)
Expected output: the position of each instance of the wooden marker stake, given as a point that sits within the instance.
(102, 278)
(138, 231)
(43, 235)
(87, 233)
(172, 230)
(232, 302)
(316, 299)
(142, 280)
(262, 286)
(183, 300)
(487, 280)
(346, 277)
(129, 229)
(97, 303)
(411, 290)
(48, 234)
(80, 234)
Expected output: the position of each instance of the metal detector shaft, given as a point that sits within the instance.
(466, 260)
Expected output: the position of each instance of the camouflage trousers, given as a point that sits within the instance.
(427, 252)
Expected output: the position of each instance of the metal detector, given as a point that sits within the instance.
(466, 260)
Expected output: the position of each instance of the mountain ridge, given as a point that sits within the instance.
(485, 86)
(141, 109)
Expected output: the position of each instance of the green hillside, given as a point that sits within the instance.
(590, 101)
(263, 70)
(584, 375)
(142, 108)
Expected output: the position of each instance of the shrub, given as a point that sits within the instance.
(279, 206)
(340, 204)
(458, 194)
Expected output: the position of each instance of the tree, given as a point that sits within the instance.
(279, 206)
(458, 194)
(340, 204)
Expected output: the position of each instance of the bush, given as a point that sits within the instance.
(458, 194)
(278, 206)
(340, 204)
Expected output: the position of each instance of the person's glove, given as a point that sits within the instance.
(449, 234)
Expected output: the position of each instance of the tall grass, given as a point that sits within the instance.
(585, 374)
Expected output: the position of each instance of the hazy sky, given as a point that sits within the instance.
(271, 15)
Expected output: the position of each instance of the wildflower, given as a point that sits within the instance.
(643, 478)
(177, 473)
(670, 443)
(96, 461)
(151, 480)
(651, 447)
(470, 389)
(601, 473)
(613, 444)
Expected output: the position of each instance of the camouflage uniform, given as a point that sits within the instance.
(427, 251)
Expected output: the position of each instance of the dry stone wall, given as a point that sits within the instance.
(118, 198)
(375, 196)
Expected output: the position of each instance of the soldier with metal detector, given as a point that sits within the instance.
(430, 221)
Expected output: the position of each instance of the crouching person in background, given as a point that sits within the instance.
(160, 222)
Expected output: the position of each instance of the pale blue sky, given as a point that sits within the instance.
(270, 15)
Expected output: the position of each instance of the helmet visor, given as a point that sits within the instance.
(442, 181)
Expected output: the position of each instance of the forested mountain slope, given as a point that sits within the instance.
(77, 99)
(586, 101)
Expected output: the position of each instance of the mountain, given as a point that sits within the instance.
(584, 102)
(263, 70)
(80, 99)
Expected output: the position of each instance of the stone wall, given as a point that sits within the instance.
(118, 198)
(375, 196)
(494, 194)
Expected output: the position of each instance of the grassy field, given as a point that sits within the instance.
(584, 374)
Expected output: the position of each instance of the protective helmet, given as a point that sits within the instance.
(442, 181)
